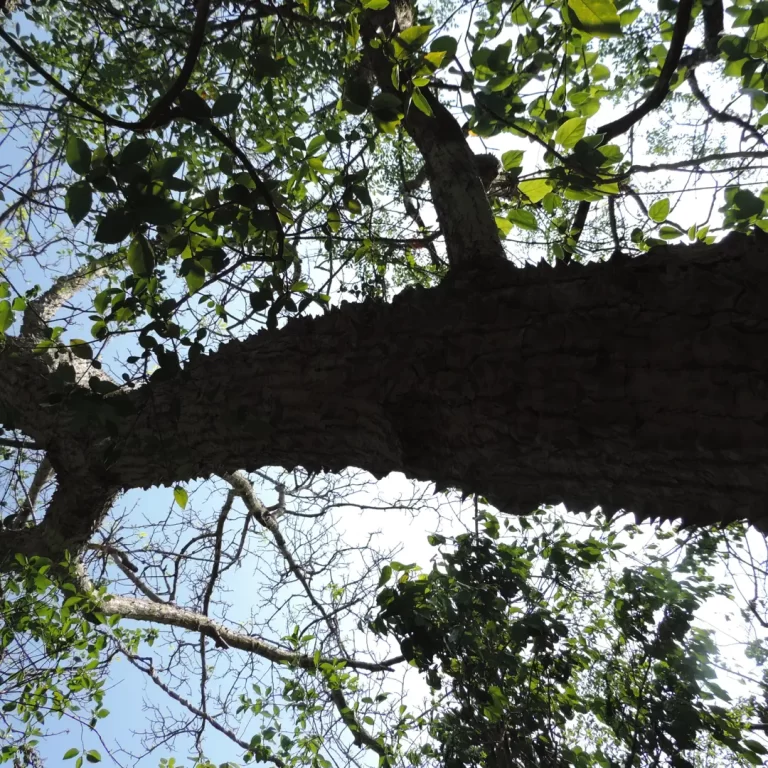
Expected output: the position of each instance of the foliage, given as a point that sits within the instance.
(568, 674)
(200, 171)
(52, 659)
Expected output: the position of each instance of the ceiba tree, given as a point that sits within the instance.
(637, 382)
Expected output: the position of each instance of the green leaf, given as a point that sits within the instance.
(81, 348)
(375, 5)
(670, 233)
(597, 17)
(756, 746)
(70, 753)
(570, 133)
(416, 35)
(141, 257)
(180, 496)
(504, 225)
(317, 142)
(165, 168)
(92, 756)
(600, 72)
(512, 159)
(226, 104)
(78, 156)
(194, 274)
(78, 201)
(627, 17)
(159, 210)
(116, 225)
(194, 105)
(715, 688)
(523, 218)
(386, 573)
(659, 210)
(357, 93)
(334, 219)
(445, 43)
(421, 102)
(135, 152)
(746, 204)
(535, 189)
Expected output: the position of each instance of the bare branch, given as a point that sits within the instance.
(722, 117)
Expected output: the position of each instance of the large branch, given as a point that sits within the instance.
(465, 216)
(636, 384)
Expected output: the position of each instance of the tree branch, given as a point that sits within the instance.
(158, 112)
(661, 88)
(722, 117)
(461, 204)
(139, 609)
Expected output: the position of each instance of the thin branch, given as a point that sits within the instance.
(359, 733)
(261, 514)
(43, 473)
(124, 563)
(721, 116)
(159, 111)
(148, 670)
(682, 164)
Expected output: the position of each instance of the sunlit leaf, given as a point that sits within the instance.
(421, 102)
(571, 132)
(180, 496)
(535, 189)
(659, 210)
(597, 17)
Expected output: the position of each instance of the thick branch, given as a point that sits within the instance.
(41, 311)
(661, 88)
(461, 204)
(76, 510)
(634, 384)
(625, 385)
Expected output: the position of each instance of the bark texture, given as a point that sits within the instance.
(635, 384)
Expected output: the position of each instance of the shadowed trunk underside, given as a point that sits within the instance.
(637, 385)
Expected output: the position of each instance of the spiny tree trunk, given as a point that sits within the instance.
(638, 384)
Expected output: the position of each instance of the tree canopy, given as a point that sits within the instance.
(512, 249)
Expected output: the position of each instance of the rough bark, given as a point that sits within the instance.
(458, 193)
(636, 384)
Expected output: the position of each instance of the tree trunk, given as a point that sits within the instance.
(635, 384)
